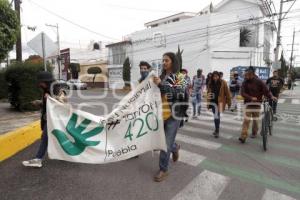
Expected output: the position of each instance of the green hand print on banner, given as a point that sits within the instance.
(80, 139)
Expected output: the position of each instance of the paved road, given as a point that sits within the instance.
(209, 168)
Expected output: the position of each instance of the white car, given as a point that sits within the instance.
(76, 84)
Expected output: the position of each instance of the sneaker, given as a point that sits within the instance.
(175, 155)
(161, 176)
(33, 163)
(242, 140)
(253, 136)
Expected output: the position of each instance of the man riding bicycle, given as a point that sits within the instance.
(275, 84)
(253, 89)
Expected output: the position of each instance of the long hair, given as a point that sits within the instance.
(175, 64)
(212, 82)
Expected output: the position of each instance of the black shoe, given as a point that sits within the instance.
(242, 140)
(216, 133)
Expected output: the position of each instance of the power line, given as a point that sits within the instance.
(71, 22)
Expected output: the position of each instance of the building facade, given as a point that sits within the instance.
(230, 34)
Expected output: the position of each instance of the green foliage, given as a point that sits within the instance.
(284, 67)
(75, 69)
(126, 72)
(179, 57)
(245, 37)
(9, 28)
(297, 71)
(22, 84)
(94, 71)
(3, 85)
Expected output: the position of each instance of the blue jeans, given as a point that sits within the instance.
(171, 126)
(44, 144)
(196, 101)
(217, 118)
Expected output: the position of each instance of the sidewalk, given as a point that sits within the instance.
(11, 119)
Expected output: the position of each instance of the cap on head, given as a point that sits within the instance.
(45, 77)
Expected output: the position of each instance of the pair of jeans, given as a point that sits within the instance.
(171, 126)
(44, 143)
(250, 113)
(273, 104)
(234, 100)
(196, 101)
(217, 117)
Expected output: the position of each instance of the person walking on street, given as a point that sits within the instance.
(198, 84)
(253, 90)
(275, 84)
(234, 86)
(46, 83)
(208, 78)
(172, 92)
(218, 96)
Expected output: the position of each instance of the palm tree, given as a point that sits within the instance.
(245, 36)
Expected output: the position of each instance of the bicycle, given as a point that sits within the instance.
(267, 123)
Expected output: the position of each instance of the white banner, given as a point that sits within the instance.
(134, 127)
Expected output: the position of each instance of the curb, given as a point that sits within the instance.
(17, 140)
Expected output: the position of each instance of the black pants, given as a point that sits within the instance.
(273, 104)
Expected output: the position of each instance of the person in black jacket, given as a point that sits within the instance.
(275, 84)
(50, 88)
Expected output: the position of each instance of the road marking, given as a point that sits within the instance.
(230, 127)
(207, 185)
(272, 195)
(281, 100)
(190, 158)
(198, 142)
(198, 130)
(295, 101)
(254, 176)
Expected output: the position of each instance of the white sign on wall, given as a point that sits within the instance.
(115, 77)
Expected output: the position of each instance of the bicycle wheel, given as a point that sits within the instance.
(264, 130)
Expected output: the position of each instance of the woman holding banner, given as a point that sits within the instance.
(173, 91)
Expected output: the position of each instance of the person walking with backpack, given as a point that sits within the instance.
(172, 90)
(198, 84)
(235, 85)
(218, 96)
(47, 83)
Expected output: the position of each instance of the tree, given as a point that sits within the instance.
(179, 57)
(35, 59)
(284, 67)
(126, 73)
(94, 71)
(75, 69)
(245, 37)
(9, 28)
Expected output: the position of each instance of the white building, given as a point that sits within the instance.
(211, 39)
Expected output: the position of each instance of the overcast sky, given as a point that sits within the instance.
(113, 19)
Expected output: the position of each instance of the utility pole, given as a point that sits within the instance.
(44, 51)
(292, 53)
(19, 37)
(58, 48)
(278, 40)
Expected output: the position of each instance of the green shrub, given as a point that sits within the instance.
(22, 85)
(3, 85)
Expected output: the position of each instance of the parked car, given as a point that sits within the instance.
(76, 84)
(63, 84)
